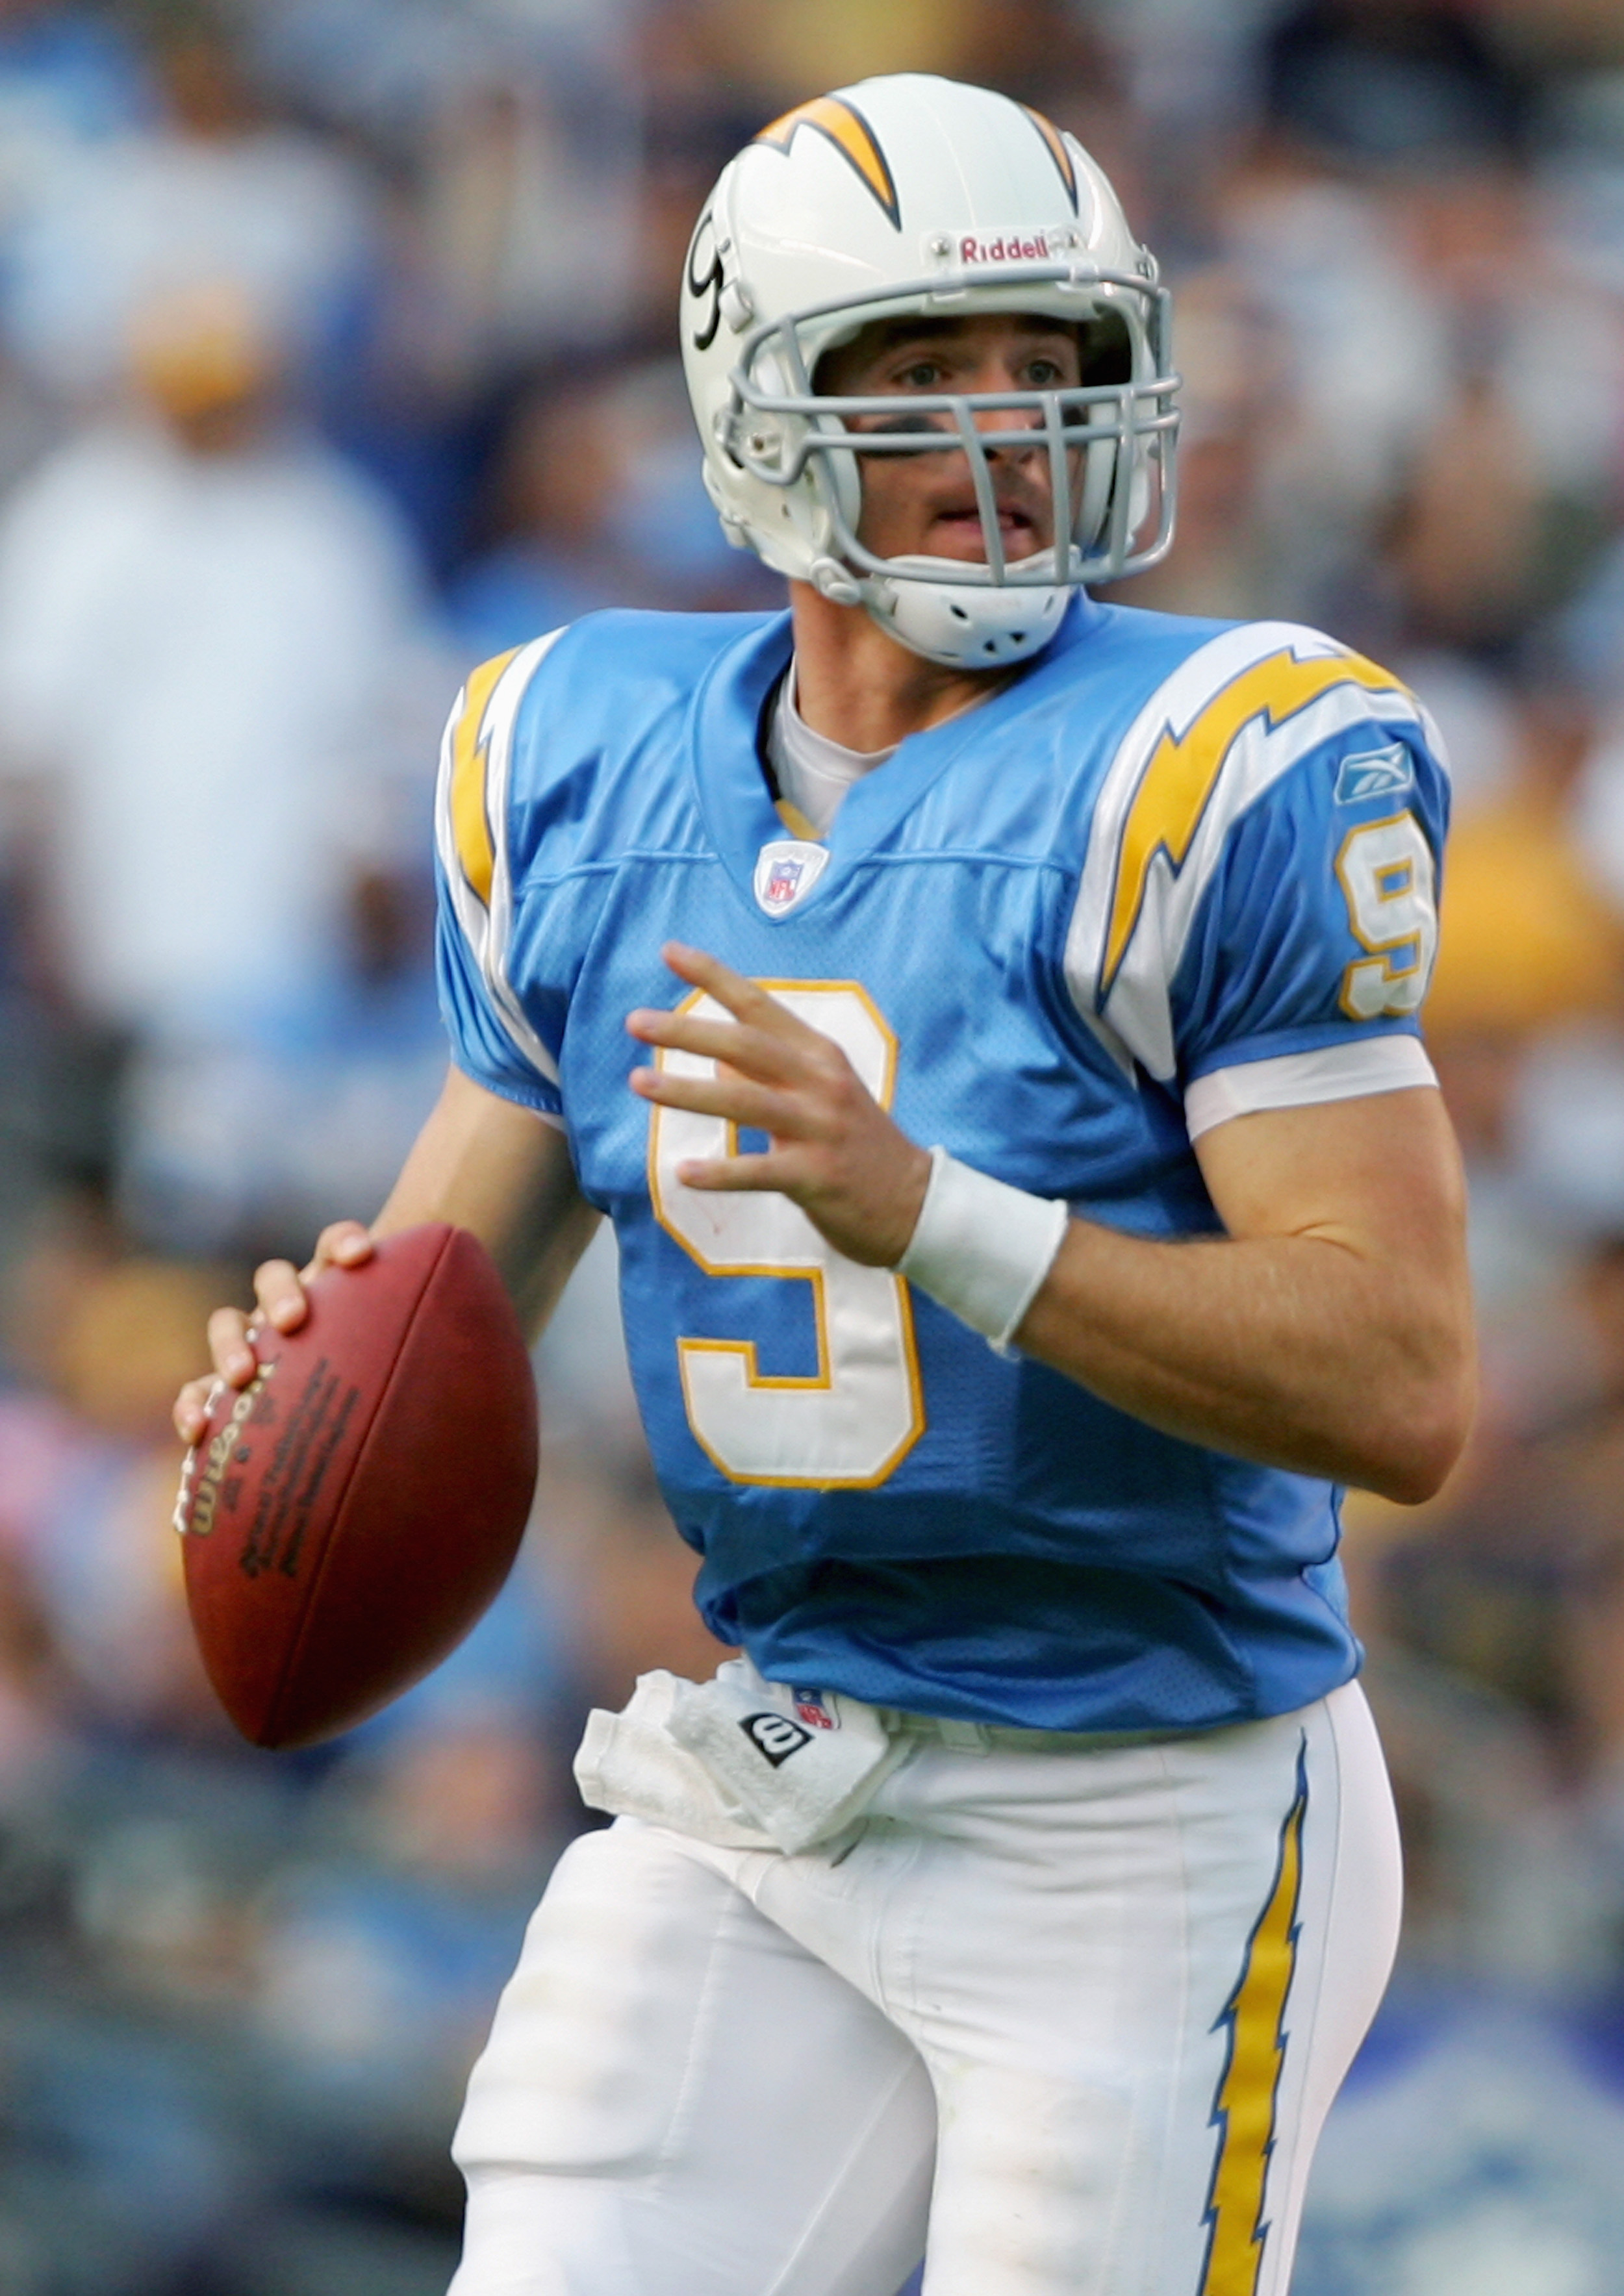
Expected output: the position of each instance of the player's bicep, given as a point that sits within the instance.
(485, 1163)
(1380, 1175)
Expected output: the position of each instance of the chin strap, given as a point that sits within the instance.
(962, 625)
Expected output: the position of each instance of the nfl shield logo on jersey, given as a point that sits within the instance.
(782, 883)
(786, 871)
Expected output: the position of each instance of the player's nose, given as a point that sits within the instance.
(1001, 421)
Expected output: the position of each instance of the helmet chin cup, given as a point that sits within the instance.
(831, 580)
(964, 625)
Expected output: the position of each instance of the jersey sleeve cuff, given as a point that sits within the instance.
(1347, 1071)
(506, 1088)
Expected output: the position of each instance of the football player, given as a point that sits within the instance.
(1034, 1202)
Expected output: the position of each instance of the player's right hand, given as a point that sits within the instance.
(279, 1295)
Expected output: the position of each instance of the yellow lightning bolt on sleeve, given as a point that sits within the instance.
(1244, 2107)
(1183, 768)
(470, 816)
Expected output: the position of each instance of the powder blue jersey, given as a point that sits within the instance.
(1173, 870)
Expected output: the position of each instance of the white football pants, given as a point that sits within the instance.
(1067, 2022)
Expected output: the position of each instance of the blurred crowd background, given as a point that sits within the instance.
(336, 353)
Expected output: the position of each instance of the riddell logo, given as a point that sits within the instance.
(1009, 247)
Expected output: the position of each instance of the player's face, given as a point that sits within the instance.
(924, 504)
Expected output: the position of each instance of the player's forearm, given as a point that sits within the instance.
(1293, 1351)
(485, 1164)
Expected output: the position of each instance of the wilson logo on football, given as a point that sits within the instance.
(775, 1736)
(204, 1471)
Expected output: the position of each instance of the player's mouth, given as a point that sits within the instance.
(956, 531)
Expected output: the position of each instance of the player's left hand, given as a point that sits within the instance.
(834, 1152)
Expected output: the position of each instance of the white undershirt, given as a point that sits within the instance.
(812, 772)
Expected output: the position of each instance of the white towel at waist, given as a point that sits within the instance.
(738, 1762)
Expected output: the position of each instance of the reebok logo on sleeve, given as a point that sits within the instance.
(1378, 773)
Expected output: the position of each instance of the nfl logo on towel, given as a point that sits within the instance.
(786, 871)
(810, 1709)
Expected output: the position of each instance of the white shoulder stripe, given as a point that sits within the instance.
(471, 827)
(1369, 1064)
(1234, 716)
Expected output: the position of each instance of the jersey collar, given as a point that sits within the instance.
(736, 803)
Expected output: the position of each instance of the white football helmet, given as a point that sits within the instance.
(916, 196)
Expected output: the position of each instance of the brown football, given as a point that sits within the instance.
(349, 1515)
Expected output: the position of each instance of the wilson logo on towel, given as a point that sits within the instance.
(775, 1736)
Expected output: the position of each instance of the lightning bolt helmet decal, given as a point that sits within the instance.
(1056, 142)
(851, 135)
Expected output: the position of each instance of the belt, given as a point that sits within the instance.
(1006, 1738)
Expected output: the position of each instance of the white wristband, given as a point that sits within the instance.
(980, 1248)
